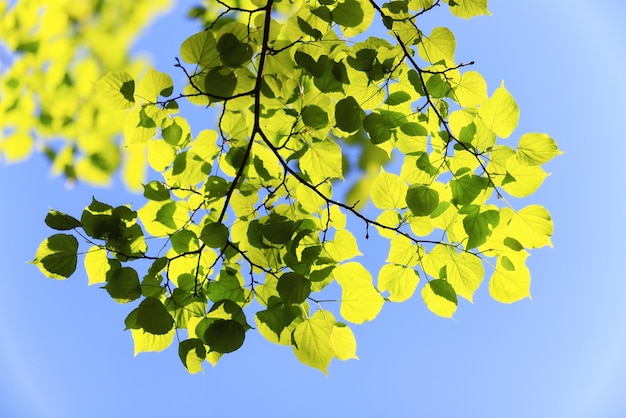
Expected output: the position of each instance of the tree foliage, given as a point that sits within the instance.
(254, 222)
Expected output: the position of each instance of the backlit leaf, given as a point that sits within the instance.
(349, 115)
(61, 221)
(508, 285)
(360, 301)
(500, 112)
(118, 89)
(440, 298)
(153, 318)
(388, 191)
(422, 200)
(312, 341)
(399, 281)
(56, 256)
(535, 149)
(293, 288)
(532, 226)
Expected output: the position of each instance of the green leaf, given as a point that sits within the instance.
(184, 241)
(363, 59)
(220, 83)
(348, 14)
(214, 235)
(173, 133)
(513, 244)
(440, 298)
(227, 287)
(61, 221)
(377, 128)
(123, 284)
(422, 200)
(98, 222)
(413, 129)
(145, 121)
(396, 7)
(278, 317)
(56, 256)
(467, 188)
(192, 352)
(153, 317)
(308, 29)
(307, 62)
(200, 49)
(278, 229)
(314, 117)
(293, 288)
(349, 115)
(232, 51)
(478, 224)
(216, 187)
(153, 85)
(156, 190)
(224, 335)
(397, 98)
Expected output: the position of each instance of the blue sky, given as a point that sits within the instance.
(63, 353)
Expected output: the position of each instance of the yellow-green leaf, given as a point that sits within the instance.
(153, 85)
(343, 342)
(145, 342)
(522, 180)
(463, 271)
(388, 191)
(343, 246)
(322, 161)
(468, 8)
(200, 49)
(403, 251)
(399, 281)
(440, 298)
(118, 89)
(510, 281)
(472, 89)
(312, 341)
(360, 301)
(532, 227)
(96, 265)
(438, 46)
(500, 112)
(535, 149)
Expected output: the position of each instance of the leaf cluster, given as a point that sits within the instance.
(245, 220)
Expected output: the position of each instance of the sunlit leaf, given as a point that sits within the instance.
(500, 112)
(440, 297)
(56, 256)
(312, 341)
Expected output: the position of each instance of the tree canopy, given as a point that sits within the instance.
(334, 122)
